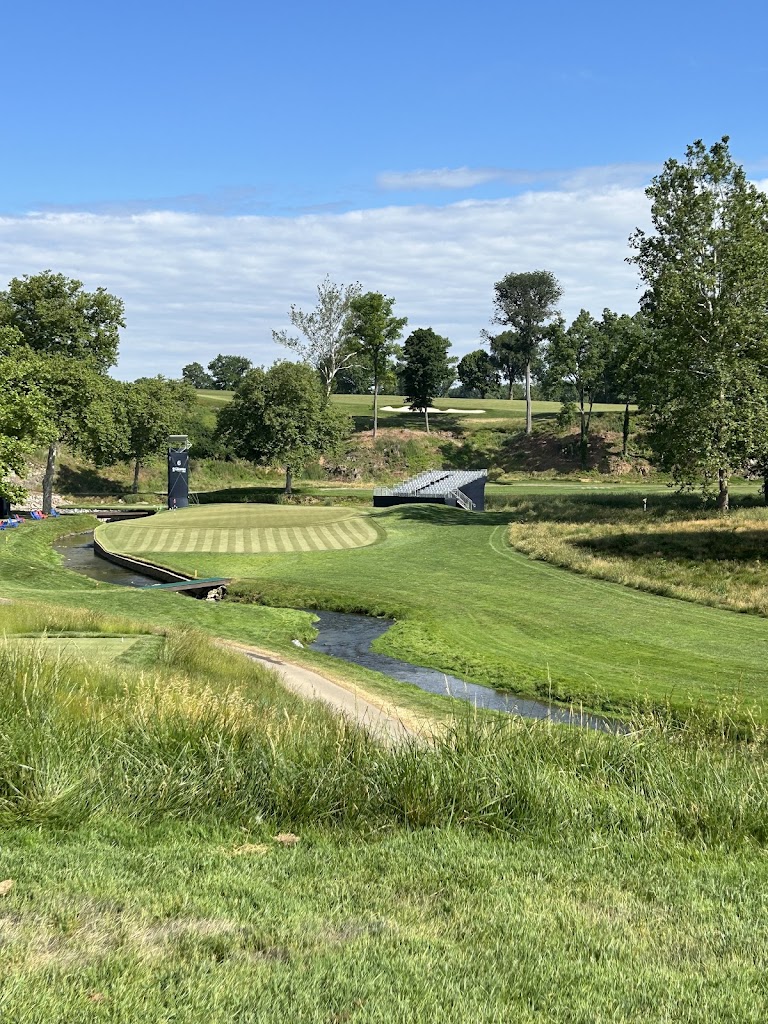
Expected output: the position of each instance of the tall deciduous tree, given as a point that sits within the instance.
(526, 303)
(24, 423)
(509, 357)
(577, 356)
(227, 372)
(280, 415)
(196, 375)
(71, 330)
(373, 331)
(706, 270)
(424, 368)
(152, 408)
(324, 343)
(628, 342)
(478, 372)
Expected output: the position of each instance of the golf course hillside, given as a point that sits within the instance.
(241, 529)
(467, 603)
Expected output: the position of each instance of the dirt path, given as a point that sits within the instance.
(392, 724)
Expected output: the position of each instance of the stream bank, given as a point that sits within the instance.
(349, 637)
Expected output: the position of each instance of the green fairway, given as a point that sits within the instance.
(468, 604)
(361, 407)
(241, 529)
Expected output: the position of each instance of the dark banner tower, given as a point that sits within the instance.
(178, 471)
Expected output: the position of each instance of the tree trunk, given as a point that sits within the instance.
(582, 432)
(426, 417)
(50, 470)
(722, 494)
(288, 480)
(510, 389)
(375, 397)
(528, 412)
(765, 484)
(625, 432)
(136, 469)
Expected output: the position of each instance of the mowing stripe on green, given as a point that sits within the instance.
(169, 535)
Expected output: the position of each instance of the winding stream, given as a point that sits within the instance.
(349, 637)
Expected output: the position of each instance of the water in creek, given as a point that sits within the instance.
(78, 554)
(349, 637)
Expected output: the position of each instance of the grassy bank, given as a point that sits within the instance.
(194, 844)
(676, 547)
(184, 840)
(482, 433)
(466, 603)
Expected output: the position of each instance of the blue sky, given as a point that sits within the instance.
(212, 163)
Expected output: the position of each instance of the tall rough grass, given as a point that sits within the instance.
(211, 737)
(33, 618)
(677, 549)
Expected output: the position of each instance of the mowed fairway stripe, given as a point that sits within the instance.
(329, 539)
(315, 544)
(343, 534)
(363, 530)
(340, 532)
(299, 540)
(283, 541)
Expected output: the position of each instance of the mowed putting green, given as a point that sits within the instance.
(241, 530)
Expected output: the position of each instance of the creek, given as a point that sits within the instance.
(349, 637)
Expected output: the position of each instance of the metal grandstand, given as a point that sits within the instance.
(463, 488)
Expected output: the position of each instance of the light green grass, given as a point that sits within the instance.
(242, 529)
(104, 649)
(468, 604)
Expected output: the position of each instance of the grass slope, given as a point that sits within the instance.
(194, 844)
(469, 604)
(676, 547)
(512, 872)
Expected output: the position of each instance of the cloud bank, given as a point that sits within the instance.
(470, 177)
(195, 284)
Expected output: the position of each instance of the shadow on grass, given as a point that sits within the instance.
(702, 545)
(274, 494)
(616, 506)
(444, 515)
(86, 480)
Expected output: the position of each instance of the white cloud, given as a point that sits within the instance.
(439, 178)
(196, 284)
(468, 177)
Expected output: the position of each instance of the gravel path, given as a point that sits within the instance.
(386, 723)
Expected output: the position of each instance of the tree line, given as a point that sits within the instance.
(694, 358)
